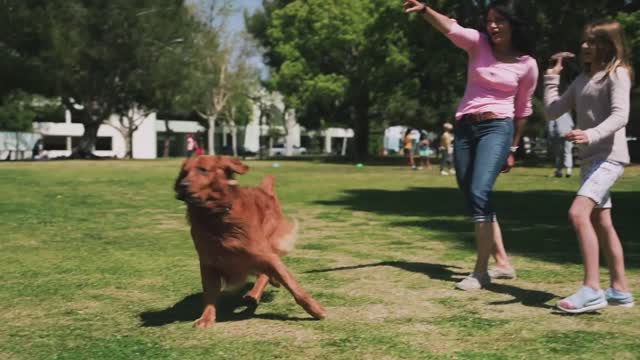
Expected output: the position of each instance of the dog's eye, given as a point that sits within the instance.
(202, 170)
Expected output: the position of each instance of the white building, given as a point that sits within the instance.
(148, 140)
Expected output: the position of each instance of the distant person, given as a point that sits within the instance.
(407, 147)
(38, 152)
(199, 151)
(501, 78)
(562, 148)
(191, 145)
(424, 151)
(600, 96)
(446, 150)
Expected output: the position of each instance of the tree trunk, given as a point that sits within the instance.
(361, 117)
(234, 138)
(84, 149)
(129, 144)
(17, 145)
(289, 123)
(92, 115)
(167, 140)
(211, 134)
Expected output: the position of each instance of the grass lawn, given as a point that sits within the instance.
(96, 262)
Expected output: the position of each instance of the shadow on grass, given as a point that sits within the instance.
(534, 298)
(526, 297)
(433, 271)
(534, 223)
(230, 307)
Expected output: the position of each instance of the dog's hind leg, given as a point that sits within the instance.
(252, 297)
(211, 286)
(277, 270)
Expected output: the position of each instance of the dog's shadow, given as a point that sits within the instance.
(526, 297)
(229, 307)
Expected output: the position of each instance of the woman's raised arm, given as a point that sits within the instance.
(440, 22)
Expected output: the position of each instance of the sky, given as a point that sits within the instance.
(237, 21)
(236, 24)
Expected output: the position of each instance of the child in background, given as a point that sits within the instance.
(424, 150)
(600, 97)
(446, 150)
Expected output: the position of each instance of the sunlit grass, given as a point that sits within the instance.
(97, 263)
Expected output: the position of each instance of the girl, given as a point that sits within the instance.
(600, 97)
(446, 150)
(501, 77)
(424, 150)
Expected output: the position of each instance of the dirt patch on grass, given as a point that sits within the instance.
(122, 294)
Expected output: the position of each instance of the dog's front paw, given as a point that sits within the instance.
(203, 323)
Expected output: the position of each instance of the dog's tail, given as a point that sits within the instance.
(288, 240)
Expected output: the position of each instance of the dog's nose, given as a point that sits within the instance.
(184, 184)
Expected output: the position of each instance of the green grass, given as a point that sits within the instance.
(96, 262)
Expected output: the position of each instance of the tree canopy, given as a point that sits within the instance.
(365, 62)
(362, 64)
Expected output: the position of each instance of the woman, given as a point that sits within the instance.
(501, 78)
(407, 146)
(600, 97)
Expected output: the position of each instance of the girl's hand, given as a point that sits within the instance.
(411, 6)
(577, 137)
(509, 164)
(556, 60)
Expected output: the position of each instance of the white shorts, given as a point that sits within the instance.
(596, 178)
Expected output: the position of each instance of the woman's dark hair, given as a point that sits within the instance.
(520, 32)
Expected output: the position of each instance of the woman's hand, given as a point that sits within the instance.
(509, 164)
(411, 6)
(556, 60)
(577, 137)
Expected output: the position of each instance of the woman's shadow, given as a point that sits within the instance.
(526, 297)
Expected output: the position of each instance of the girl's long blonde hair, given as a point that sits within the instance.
(611, 47)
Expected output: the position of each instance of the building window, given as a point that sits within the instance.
(55, 142)
(104, 143)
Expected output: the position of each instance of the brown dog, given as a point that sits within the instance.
(237, 231)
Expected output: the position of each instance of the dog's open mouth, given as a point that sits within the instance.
(187, 198)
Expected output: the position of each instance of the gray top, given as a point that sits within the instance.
(601, 103)
(561, 126)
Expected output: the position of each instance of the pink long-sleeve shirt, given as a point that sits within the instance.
(504, 89)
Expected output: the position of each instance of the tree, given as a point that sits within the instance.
(334, 61)
(19, 109)
(17, 112)
(223, 70)
(23, 38)
(366, 63)
(101, 56)
(238, 112)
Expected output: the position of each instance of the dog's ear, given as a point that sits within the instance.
(235, 166)
(267, 184)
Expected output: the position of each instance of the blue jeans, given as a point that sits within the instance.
(480, 150)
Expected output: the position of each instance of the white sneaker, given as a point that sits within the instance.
(443, 172)
(502, 273)
(474, 282)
